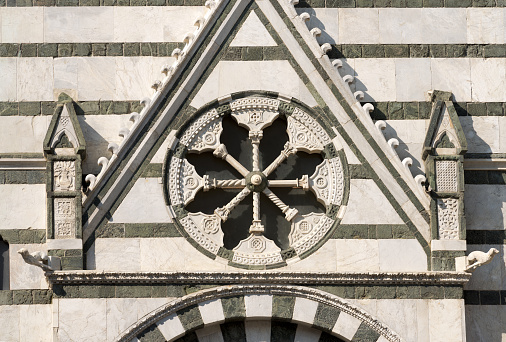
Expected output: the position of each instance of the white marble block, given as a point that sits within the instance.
(368, 205)
(258, 306)
(82, 320)
(143, 204)
(22, 25)
(253, 33)
(233, 76)
(23, 206)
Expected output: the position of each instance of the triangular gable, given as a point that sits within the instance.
(352, 122)
(64, 129)
(253, 33)
(445, 132)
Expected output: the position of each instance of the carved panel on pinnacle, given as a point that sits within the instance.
(64, 218)
(448, 218)
(259, 185)
(64, 173)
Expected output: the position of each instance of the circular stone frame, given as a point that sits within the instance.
(308, 131)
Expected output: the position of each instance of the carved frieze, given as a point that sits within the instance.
(196, 233)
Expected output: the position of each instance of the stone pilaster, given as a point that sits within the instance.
(64, 149)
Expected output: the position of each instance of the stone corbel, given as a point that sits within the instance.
(474, 260)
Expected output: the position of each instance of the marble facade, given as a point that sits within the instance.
(351, 239)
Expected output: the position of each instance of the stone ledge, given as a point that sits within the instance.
(418, 278)
(493, 164)
(12, 164)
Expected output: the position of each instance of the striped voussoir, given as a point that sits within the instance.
(259, 312)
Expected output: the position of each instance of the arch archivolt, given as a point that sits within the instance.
(297, 304)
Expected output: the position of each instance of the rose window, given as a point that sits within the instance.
(253, 181)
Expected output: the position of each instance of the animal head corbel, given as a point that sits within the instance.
(39, 259)
(478, 258)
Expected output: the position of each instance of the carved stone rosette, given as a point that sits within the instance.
(255, 113)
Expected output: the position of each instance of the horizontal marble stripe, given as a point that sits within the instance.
(408, 25)
(485, 156)
(82, 78)
(137, 230)
(164, 49)
(409, 79)
(25, 297)
(160, 49)
(346, 292)
(74, 3)
(302, 3)
(417, 50)
(382, 110)
(97, 24)
(123, 78)
(485, 297)
(23, 236)
(421, 110)
(401, 3)
(486, 237)
(22, 177)
(485, 177)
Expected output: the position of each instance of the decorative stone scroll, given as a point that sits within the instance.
(446, 176)
(448, 218)
(64, 218)
(305, 134)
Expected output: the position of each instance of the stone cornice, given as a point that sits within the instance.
(293, 278)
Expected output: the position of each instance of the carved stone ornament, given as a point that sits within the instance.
(446, 176)
(204, 134)
(64, 127)
(446, 131)
(448, 218)
(304, 134)
(327, 182)
(64, 173)
(184, 181)
(64, 218)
